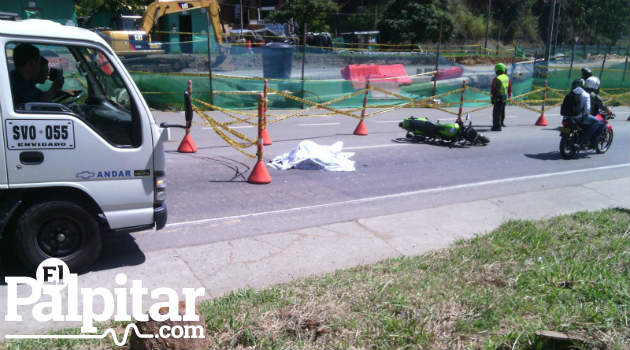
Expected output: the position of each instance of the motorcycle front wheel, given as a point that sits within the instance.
(567, 150)
(483, 140)
(604, 141)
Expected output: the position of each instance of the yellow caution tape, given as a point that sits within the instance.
(322, 105)
(478, 108)
(227, 112)
(477, 90)
(522, 105)
(216, 127)
(376, 88)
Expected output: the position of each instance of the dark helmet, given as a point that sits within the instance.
(576, 83)
(586, 73)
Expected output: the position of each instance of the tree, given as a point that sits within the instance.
(415, 21)
(312, 12)
(612, 20)
(115, 7)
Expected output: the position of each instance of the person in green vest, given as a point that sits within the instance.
(500, 91)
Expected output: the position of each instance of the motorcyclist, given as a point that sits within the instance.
(586, 73)
(597, 104)
(590, 123)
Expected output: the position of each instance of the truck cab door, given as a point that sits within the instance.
(93, 136)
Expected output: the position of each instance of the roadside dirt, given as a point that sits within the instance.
(476, 60)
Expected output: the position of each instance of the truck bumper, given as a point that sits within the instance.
(159, 215)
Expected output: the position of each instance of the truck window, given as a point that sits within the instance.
(76, 80)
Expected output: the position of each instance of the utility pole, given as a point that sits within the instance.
(209, 56)
(485, 43)
(551, 21)
(437, 60)
(555, 40)
(241, 34)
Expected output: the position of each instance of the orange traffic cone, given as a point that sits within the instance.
(542, 121)
(266, 139)
(361, 129)
(259, 175)
(187, 145)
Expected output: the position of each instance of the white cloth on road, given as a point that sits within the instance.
(309, 155)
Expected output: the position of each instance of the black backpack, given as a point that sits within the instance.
(570, 105)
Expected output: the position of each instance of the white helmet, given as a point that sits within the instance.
(592, 83)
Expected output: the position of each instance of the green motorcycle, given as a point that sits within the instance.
(423, 130)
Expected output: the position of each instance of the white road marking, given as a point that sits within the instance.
(387, 121)
(317, 124)
(398, 195)
(233, 127)
(377, 146)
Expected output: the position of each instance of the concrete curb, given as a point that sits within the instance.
(261, 261)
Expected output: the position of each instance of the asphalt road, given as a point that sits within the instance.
(209, 199)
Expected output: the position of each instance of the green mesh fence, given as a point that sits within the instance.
(239, 69)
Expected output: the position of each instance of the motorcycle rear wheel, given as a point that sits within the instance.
(604, 141)
(567, 150)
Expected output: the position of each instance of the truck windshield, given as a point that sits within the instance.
(79, 80)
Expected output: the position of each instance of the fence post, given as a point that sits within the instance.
(361, 129)
(461, 102)
(435, 78)
(209, 58)
(571, 65)
(266, 139)
(303, 61)
(437, 58)
(542, 121)
(601, 71)
(260, 175)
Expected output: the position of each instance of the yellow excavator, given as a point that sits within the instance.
(133, 36)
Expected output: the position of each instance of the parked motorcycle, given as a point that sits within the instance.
(571, 134)
(423, 130)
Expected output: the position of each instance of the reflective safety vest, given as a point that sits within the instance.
(502, 83)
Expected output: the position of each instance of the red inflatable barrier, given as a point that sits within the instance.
(396, 70)
(359, 73)
(449, 73)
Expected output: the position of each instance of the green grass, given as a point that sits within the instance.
(569, 274)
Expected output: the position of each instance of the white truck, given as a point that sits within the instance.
(81, 165)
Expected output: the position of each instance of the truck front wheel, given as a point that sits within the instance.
(58, 229)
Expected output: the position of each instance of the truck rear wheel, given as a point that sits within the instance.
(58, 229)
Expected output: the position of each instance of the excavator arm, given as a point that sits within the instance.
(161, 8)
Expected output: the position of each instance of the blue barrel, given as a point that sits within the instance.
(277, 60)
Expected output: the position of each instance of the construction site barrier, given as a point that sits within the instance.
(260, 174)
